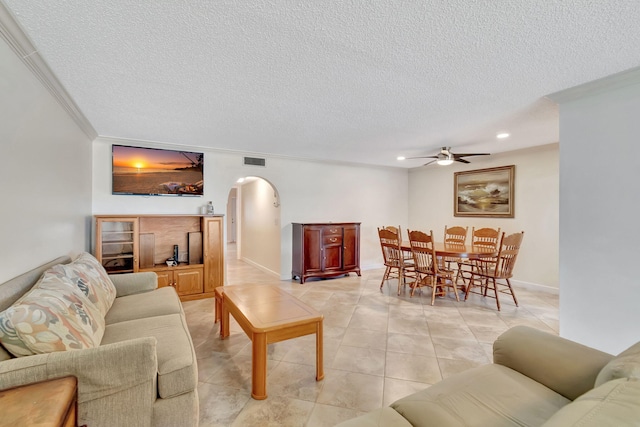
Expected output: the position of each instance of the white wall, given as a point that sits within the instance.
(45, 170)
(536, 208)
(309, 192)
(260, 221)
(599, 155)
(231, 212)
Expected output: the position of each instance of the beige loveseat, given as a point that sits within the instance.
(537, 379)
(135, 365)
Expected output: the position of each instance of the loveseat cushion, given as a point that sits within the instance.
(624, 365)
(490, 395)
(91, 278)
(53, 316)
(177, 369)
(614, 403)
(148, 304)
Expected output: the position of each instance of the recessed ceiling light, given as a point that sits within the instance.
(502, 135)
(240, 180)
(401, 158)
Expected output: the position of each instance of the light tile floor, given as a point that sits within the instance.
(378, 347)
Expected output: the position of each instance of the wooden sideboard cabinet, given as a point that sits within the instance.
(325, 249)
(132, 243)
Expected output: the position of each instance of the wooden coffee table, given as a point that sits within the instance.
(51, 403)
(267, 314)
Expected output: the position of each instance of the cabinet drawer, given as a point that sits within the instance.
(332, 230)
(332, 240)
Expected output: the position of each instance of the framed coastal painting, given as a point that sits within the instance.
(484, 192)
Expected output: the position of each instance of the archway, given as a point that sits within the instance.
(253, 223)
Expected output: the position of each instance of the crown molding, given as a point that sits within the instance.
(102, 139)
(19, 42)
(595, 87)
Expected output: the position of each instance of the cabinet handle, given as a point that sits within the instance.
(333, 239)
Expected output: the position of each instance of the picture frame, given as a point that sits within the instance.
(484, 192)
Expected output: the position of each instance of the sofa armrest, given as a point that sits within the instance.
(134, 283)
(117, 383)
(564, 366)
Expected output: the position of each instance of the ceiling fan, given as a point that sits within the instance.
(446, 157)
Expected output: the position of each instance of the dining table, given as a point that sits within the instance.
(457, 250)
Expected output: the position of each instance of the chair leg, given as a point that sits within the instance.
(512, 293)
(400, 279)
(455, 290)
(468, 290)
(385, 276)
(495, 291)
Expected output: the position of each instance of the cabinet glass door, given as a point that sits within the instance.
(117, 248)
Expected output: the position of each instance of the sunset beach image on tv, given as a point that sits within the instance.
(153, 171)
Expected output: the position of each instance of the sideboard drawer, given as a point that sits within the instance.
(332, 240)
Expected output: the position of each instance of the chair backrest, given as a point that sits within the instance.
(455, 235)
(397, 230)
(424, 252)
(508, 254)
(485, 237)
(390, 244)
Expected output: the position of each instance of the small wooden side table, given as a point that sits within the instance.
(49, 403)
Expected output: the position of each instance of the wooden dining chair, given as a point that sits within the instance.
(429, 271)
(456, 235)
(487, 274)
(406, 255)
(487, 238)
(396, 266)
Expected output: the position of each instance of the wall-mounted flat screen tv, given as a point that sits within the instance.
(156, 172)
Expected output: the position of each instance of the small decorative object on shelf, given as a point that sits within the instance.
(210, 208)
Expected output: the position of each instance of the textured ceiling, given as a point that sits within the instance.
(356, 80)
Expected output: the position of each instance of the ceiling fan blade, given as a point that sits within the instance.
(427, 164)
(471, 154)
(422, 157)
(462, 160)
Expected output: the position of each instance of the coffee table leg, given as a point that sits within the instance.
(319, 352)
(259, 366)
(224, 321)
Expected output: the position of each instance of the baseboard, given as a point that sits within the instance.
(535, 287)
(372, 267)
(261, 267)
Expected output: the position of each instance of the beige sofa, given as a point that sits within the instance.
(142, 371)
(537, 379)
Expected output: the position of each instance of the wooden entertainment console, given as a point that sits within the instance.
(132, 243)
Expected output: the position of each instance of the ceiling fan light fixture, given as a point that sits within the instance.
(444, 162)
(445, 158)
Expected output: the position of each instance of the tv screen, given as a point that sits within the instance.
(156, 172)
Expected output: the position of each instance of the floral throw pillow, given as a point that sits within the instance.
(91, 278)
(55, 317)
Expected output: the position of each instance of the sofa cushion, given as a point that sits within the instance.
(148, 304)
(92, 279)
(177, 369)
(52, 316)
(614, 403)
(564, 366)
(490, 395)
(624, 365)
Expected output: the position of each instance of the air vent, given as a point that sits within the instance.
(255, 161)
